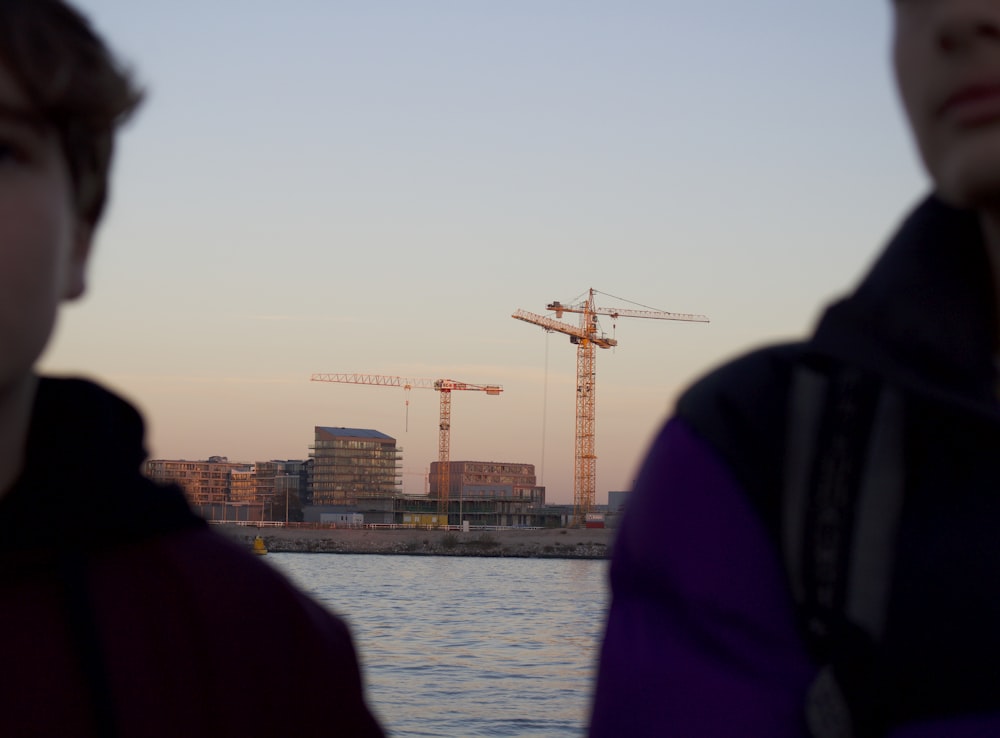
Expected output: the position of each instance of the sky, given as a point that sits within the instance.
(376, 185)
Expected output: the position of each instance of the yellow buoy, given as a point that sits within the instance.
(259, 547)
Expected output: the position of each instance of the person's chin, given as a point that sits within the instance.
(970, 176)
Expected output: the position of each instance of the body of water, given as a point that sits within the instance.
(463, 647)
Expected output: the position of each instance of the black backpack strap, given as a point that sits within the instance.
(86, 638)
(843, 492)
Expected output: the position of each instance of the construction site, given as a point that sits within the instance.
(354, 475)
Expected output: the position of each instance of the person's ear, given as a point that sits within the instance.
(76, 268)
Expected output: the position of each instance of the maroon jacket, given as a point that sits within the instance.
(122, 614)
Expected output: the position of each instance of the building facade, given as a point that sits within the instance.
(489, 480)
(617, 500)
(353, 464)
(242, 485)
(423, 512)
(221, 490)
(280, 485)
(205, 483)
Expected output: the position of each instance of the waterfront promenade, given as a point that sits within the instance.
(561, 543)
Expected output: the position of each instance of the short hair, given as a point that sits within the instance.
(75, 84)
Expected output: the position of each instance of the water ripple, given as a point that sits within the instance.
(467, 646)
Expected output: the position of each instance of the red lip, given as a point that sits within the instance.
(973, 104)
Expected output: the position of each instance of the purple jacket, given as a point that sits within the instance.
(702, 638)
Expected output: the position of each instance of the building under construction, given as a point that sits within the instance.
(488, 480)
(352, 464)
(205, 483)
(480, 493)
(221, 490)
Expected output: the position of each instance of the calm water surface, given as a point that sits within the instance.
(464, 647)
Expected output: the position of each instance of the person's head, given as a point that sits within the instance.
(74, 84)
(62, 95)
(947, 61)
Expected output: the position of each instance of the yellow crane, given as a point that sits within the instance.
(445, 387)
(588, 338)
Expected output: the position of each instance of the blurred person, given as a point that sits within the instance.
(812, 545)
(121, 613)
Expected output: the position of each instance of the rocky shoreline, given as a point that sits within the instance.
(557, 543)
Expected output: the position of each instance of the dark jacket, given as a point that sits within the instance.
(124, 615)
(704, 637)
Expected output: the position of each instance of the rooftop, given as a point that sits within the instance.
(353, 432)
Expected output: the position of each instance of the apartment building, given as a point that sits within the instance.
(352, 464)
(204, 482)
(489, 480)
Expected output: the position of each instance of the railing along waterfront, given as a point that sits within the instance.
(366, 526)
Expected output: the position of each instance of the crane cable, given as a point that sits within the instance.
(545, 404)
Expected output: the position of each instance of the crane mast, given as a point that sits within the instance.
(444, 387)
(588, 339)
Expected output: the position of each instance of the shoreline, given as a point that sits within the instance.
(552, 543)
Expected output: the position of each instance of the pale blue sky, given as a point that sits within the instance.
(375, 186)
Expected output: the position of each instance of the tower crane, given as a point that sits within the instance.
(587, 338)
(445, 387)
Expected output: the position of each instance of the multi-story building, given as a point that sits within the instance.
(484, 493)
(424, 511)
(242, 486)
(617, 500)
(279, 485)
(352, 464)
(489, 480)
(269, 472)
(219, 489)
(204, 482)
(305, 481)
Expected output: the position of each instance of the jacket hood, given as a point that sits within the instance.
(925, 315)
(82, 484)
